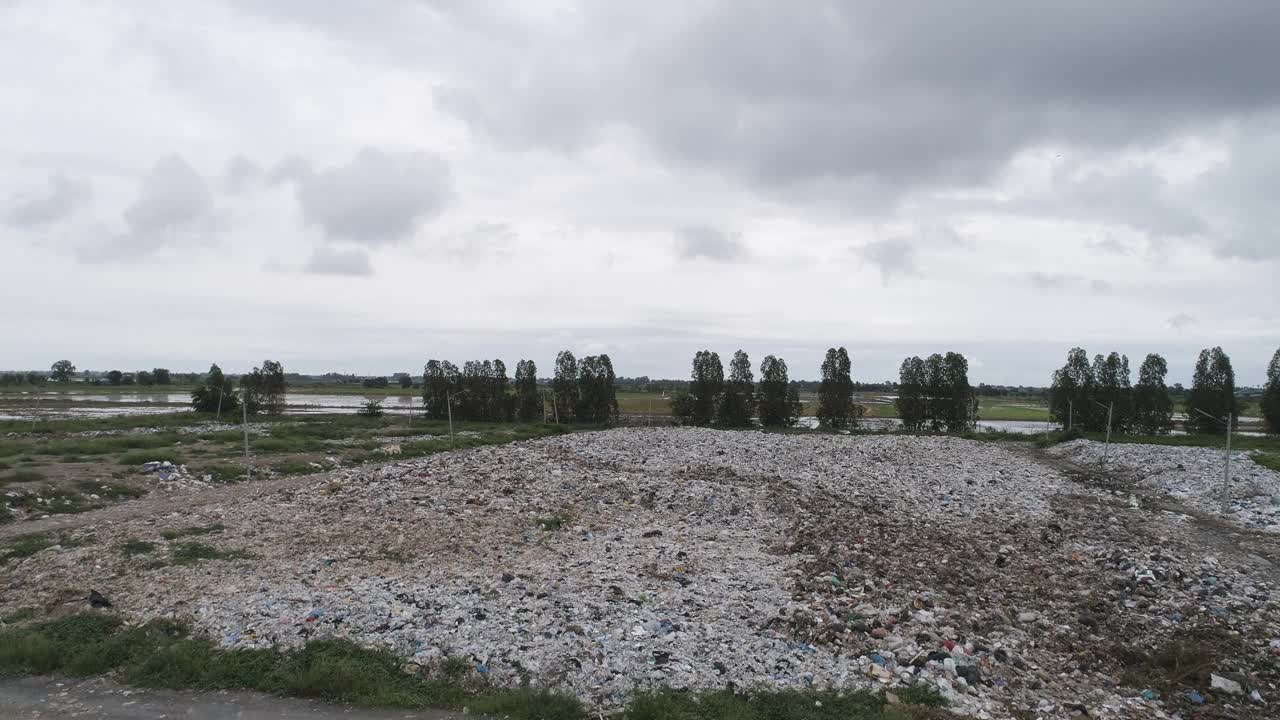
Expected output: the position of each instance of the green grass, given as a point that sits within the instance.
(21, 546)
(221, 472)
(19, 615)
(111, 491)
(189, 553)
(51, 500)
(136, 547)
(294, 467)
(551, 523)
(165, 654)
(22, 476)
(139, 457)
(192, 531)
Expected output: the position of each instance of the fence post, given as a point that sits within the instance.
(1226, 466)
(244, 425)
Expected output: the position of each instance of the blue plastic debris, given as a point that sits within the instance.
(482, 668)
(1149, 694)
(1195, 697)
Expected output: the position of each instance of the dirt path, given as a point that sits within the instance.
(162, 502)
(1206, 529)
(45, 698)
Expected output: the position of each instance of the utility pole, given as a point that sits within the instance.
(1226, 457)
(448, 404)
(244, 425)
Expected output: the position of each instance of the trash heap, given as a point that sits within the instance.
(608, 562)
(1192, 474)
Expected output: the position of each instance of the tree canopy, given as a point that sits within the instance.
(836, 410)
(1213, 393)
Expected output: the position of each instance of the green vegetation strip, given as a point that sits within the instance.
(165, 654)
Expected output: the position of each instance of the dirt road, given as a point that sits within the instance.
(43, 698)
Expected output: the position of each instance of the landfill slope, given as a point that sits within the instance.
(607, 562)
(1244, 492)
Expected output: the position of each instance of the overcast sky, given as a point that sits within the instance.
(361, 186)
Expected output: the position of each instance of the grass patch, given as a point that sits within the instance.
(131, 548)
(19, 615)
(1182, 662)
(22, 476)
(138, 457)
(192, 531)
(164, 654)
(53, 501)
(551, 523)
(21, 546)
(112, 491)
(1270, 461)
(190, 553)
(294, 467)
(222, 472)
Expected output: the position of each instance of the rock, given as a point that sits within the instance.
(1028, 617)
(97, 600)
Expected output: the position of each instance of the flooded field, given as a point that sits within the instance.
(34, 406)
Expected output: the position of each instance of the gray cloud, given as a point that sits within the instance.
(894, 256)
(1181, 321)
(173, 207)
(58, 201)
(854, 91)
(376, 198)
(326, 260)
(708, 243)
(1066, 281)
(240, 172)
(484, 242)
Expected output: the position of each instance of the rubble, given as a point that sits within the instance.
(606, 562)
(1192, 474)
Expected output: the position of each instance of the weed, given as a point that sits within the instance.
(551, 523)
(192, 531)
(293, 467)
(50, 500)
(21, 546)
(113, 491)
(22, 476)
(395, 555)
(189, 553)
(223, 472)
(139, 457)
(19, 615)
(136, 547)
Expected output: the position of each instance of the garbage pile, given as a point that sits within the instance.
(1192, 474)
(607, 562)
(175, 476)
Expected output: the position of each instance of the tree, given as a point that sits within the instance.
(374, 382)
(777, 408)
(61, 371)
(564, 386)
(706, 382)
(1271, 396)
(439, 380)
(738, 401)
(1152, 406)
(1113, 391)
(597, 399)
(501, 403)
(161, 376)
(144, 378)
(263, 390)
(1213, 393)
(528, 399)
(912, 402)
(115, 377)
(955, 407)
(1070, 393)
(406, 382)
(215, 395)
(836, 410)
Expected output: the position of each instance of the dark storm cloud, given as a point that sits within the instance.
(708, 243)
(59, 200)
(376, 198)
(905, 94)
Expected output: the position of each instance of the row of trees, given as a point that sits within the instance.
(711, 400)
(935, 394)
(774, 401)
(262, 391)
(582, 391)
(1083, 394)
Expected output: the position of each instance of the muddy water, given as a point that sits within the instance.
(112, 404)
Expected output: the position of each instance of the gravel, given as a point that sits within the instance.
(607, 562)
